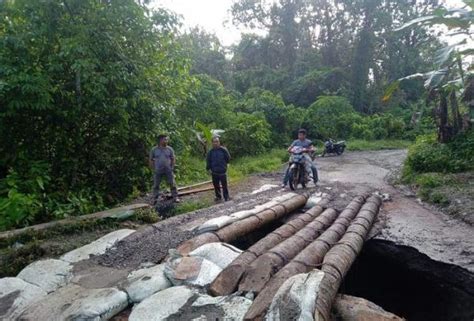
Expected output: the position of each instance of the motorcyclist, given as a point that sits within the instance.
(308, 147)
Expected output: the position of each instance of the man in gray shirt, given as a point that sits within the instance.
(162, 160)
(305, 143)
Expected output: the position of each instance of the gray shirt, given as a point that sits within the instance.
(162, 158)
(306, 143)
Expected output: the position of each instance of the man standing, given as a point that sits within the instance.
(305, 143)
(162, 161)
(217, 159)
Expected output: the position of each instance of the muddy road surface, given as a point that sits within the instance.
(403, 220)
(406, 221)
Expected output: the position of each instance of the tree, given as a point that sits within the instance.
(86, 86)
(444, 82)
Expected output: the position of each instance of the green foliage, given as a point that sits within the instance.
(249, 135)
(360, 144)
(267, 162)
(86, 87)
(427, 155)
(328, 116)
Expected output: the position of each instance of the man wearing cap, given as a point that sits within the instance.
(162, 160)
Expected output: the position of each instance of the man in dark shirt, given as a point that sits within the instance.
(217, 159)
(162, 160)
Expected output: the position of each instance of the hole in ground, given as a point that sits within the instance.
(250, 239)
(410, 284)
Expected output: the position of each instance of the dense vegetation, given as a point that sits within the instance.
(87, 85)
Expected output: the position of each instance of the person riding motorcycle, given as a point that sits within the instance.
(309, 149)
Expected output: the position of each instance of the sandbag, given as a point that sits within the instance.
(74, 302)
(161, 305)
(141, 284)
(229, 308)
(314, 199)
(48, 274)
(16, 295)
(264, 188)
(97, 247)
(296, 298)
(221, 254)
(190, 270)
(240, 215)
(215, 224)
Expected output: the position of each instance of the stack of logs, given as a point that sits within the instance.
(320, 238)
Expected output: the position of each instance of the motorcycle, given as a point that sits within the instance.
(297, 170)
(332, 147)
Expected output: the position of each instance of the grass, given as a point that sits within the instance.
(361, 145)
(193, 169)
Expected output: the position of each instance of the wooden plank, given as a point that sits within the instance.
(95, 216)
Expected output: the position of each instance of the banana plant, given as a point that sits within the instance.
(204, 134)
(452, 64)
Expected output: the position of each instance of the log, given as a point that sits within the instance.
(339, 259)
(114, 212)
(265, 266)
(309, 258)
(240, 228)
(227, 281)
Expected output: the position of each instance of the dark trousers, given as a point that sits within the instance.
(157, 177)
(219, 180)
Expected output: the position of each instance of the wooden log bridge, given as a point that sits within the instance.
(245, 226)
(321, 238)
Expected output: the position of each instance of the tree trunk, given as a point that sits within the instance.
(339, 259)
(309, 258)
(457, 122)
(227, 281)
(240, 228)
(443, 128)
(265, 266)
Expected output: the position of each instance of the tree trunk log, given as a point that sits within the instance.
(240, 228)
(266, 265)
(339, 259)
(309, 258)
(227, 281)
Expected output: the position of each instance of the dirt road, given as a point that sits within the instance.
(407, 221)
(403, 220)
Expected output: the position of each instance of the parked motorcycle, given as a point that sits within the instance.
(297, 171)
(332, 147)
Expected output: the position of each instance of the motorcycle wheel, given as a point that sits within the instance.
(340, 150)
(302, 178)
(293, 179)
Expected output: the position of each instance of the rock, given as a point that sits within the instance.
(161, 305)
(264, 188)
(15, 296)
(190, 270)
(221, 254)
(215, 224)
(350, 308)
(97, 247)
(73, 302)
(141, 284)
(48, 274)
(296, 298)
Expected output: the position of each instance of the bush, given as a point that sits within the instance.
(328, 116)
(249, 135)
(427, 155)
(26, 197)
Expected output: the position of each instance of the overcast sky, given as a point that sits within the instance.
(209, 14)
(214, 16)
